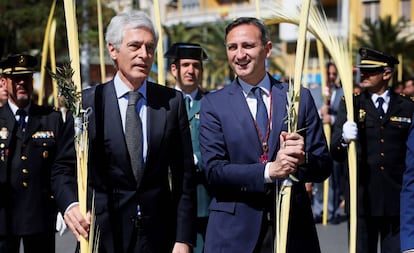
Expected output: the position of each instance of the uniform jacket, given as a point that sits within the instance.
(168, 214)
(203, 198)
(26, 202)
(407, 197)
(230, 150)
(381, 152)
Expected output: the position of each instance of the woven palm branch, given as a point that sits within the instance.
(337, 47)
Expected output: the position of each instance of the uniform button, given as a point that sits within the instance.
(382, 154)
(382, 168)
(44, 144)
(382, 140)
(24, 145)
(25, 171)
(24, 158)
(25, 184)
(382, 128)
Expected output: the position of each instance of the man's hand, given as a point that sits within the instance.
(349, 131)
(77, 223)
(180, 247)
(326, 117)
(291, 154)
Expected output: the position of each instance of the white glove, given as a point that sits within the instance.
(349, 131)
(60, 224)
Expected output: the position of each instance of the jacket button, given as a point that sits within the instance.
(24, 158)
(382, 168)
(25, 184)
(25, 171)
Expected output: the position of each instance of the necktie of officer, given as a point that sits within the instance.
(261, 112)
(22, 119)
(188, 103)
(133, 135)
(380, 110)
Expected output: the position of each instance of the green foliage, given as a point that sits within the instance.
(23, 23)
(388, 37)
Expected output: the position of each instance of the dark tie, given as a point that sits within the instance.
(188, 103)
(380, 110)
(261, 113)
(22, 119)
(133, 135)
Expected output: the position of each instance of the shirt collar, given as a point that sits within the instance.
(192, 95)
(385, 96)
(14, 107)
(121, 88)
(264, 84)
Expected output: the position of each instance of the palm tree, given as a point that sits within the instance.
(388, 37)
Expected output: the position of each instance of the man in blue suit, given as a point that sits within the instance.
(187, 69)
(245, 159)
(407, 198)
(151, 209)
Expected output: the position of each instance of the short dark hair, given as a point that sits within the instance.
(265, 35)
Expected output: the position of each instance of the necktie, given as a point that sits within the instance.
(261, 113)
(133, 135)
(188, 103)
(22, 119)
(380, 110)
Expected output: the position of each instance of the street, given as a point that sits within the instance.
(333, 238)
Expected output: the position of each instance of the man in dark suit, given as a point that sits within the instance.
(328, 114)
(382, 120)
(187, 69)
(245, 159)
(152, 207)
(28, 144)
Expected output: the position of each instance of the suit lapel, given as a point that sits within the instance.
(195, 108)
(243, 115)
(33, 123)
(113, 130)
(278, 114)
(156, 119)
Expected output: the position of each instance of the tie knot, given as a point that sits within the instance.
(380, 100)
(133, 97)
(257, 93)
(21, 113)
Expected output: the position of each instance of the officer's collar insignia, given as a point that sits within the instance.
(4, 133)
(362, 115)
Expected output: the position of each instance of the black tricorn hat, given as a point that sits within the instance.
(18, 64)
(371, 58)
(186, 51)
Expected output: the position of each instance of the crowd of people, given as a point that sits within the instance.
(181, 170)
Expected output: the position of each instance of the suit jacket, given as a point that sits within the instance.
(407, 197)
(381, 149)
(230, 150)
(26, 203)
(166, 193)
(203, 197)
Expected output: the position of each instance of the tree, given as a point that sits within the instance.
(23, 23)
(388, 37)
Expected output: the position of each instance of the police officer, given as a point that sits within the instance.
(187, 69)
(382, 121)
(28, 137)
